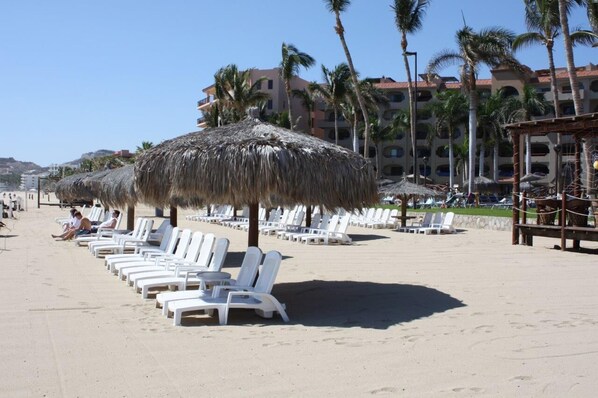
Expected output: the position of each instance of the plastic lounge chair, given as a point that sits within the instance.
(123, 269)
(318, 233)
(381, 221)
(101, 233)
(180, 277)
(162, 266)
(425, 223)
(445, 226)
(245, 279)
(167, 246)
(125, 242)
(258, 298)
(116, 239)
(297, 229)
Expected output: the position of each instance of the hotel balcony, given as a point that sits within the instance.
(201, 123)
(206, 102)
(567, 96)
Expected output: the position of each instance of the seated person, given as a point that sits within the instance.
(108, 224)
(66, 225)
(83, 228)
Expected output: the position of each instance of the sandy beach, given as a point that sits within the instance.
(393, 314)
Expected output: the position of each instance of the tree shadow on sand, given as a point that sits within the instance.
(360, 304)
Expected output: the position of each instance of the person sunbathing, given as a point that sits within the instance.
(108, 224)
(84, 227)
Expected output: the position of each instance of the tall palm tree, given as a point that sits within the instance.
(336, 7)
(408, 19)
(235, 91)
(373, 99)
(292, 61)
(333, 90)
(379, 134)
(306, 96)
(450, 110)
(490, 46)
(592, 10)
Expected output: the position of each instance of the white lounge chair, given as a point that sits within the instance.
(123, 269)
(258, 298)
(446, 226)
(123, 243)
(425, 223)
(245, 279)
(180, 277)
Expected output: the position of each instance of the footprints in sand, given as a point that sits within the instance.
(385, 390)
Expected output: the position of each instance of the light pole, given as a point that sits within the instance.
(414, 120)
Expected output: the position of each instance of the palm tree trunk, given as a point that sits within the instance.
(366, 132)
(378, 145)
(412, 126)
(495, 161)
(553, 87)
(482, 158)
(355, 135)
(473, 107)
(451, 161)
(587, 145)
(335, 126)
(287, 86)
(528, 154)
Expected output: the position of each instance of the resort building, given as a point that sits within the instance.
(29, 180)
(273, 85)
(396, 155)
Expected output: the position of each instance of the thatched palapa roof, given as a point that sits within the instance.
(253, 162)
(117, 188)
(72, 188)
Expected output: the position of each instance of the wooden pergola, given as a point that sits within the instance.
(579, 127)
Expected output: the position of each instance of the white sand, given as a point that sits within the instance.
(396, 314)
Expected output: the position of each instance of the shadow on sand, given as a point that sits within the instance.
(360, 304)
(366, 237)
(234, 260)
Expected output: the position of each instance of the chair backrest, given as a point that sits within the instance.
(147, 230)
(202, 258)
(219, 253)
(194, 247)
(139, 229)
(370, 213)
(437, 219)
(183, 243)
(298, 220)
(249, 266)
(166, 237)
(385, 215)
(343, 224)
(162, 227)
(332, 223)
(427, 219)
(268, 272)
(168, 244)
(448, 219)
(324, 221)
(377, 214)
(315, 221)
(393, 213)
(137, 226)
(118, 220)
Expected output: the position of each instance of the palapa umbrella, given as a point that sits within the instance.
(405, 190)
(251, 162)
(531, 177)
(72, 188)
(481, 182)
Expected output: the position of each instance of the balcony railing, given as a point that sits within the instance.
(203, 101)
(201, 120)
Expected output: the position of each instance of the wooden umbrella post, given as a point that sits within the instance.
(253, 233)
(173, 216)
(130, 218)
(516, 188)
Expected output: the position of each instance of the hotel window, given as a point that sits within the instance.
(270, 84)
(269, 104)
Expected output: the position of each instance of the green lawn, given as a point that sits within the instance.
(473, 211)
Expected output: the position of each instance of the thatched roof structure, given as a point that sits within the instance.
(72, 188)
(252, 162)
(117, 188)
(406, 188)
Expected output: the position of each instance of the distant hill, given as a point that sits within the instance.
(89, 155)
(13, 166)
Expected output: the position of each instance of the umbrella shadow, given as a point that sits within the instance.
(8, 236)
(360, 304)
(366, 237)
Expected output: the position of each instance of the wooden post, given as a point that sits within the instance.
(173, 216)
(524, 208)
(404, 200)
(308, 215)
(38, 192)
(577, 178)
(516, 188)
(253, 233)
(130, 218)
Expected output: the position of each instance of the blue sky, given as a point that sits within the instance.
(80, 75)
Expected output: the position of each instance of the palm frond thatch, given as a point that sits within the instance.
(251, 162)
(406, 188)
(117, 188)
(72, 188)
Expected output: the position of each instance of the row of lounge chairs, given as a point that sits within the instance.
(191, 259)
(286, 224)
(376, 218)
(432, 223)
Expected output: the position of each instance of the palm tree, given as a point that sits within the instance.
(592, 10)
(373, 99)
(308, 101)
(450, 111)
(380, 134)
(145, 145)
(292, 60)
(235, 91)
(530, 103)
(336, 7)
(408, 19)
(333, 90)
(490, 46)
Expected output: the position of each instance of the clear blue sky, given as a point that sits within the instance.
(77, 76)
